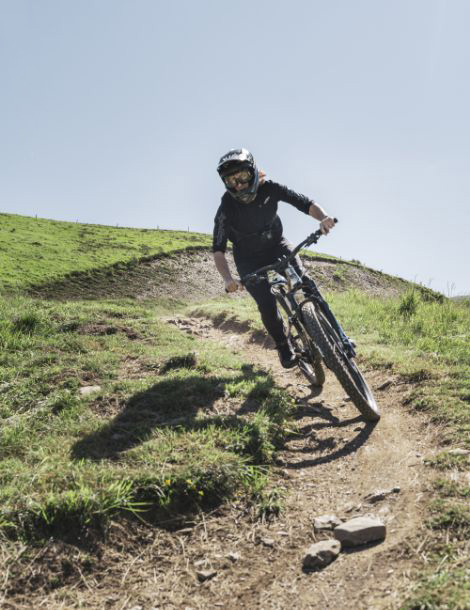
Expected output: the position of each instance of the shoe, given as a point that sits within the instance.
(287, 355)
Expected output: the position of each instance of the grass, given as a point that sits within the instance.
(444, 589)
(34, 251)
(147, 438)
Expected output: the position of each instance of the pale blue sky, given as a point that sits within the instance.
(116, 112)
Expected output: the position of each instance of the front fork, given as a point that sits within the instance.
(292, 316)
(310, 290)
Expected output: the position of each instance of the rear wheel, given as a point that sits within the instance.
(350, 377)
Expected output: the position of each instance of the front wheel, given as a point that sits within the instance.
(309, 359)
(350, 377)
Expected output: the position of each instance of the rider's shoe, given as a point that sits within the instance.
(286, 354)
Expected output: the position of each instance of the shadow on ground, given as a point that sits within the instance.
(173, 402)
(324, 419)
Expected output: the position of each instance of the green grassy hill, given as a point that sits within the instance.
(106, 409)
(51, 258)
(34, 251)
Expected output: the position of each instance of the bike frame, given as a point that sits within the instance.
(291, 280)
(292, 308)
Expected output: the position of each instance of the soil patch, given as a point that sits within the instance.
(190, 275)
(102, 329)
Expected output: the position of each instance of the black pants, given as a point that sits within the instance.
(261, 292)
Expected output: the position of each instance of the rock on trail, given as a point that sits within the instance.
(320, 554)
(360, 530)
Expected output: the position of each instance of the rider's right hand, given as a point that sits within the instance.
(232, 286)
(327, 224)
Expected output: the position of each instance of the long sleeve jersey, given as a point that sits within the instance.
(256, 225)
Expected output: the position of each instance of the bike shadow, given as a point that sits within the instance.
(327, 421)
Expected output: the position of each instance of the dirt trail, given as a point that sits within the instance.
(328, 467)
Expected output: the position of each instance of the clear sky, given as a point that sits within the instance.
(117, 111)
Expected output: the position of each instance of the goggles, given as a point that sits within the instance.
(242, 177)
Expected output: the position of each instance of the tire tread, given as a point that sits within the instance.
(367, 407)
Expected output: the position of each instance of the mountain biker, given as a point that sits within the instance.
(247, 216)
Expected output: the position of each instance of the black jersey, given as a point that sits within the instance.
(254, 226)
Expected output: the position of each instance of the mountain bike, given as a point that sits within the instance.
(315, 334)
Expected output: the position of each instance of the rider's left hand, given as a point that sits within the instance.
(326, 225)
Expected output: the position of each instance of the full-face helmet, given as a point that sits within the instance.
(237, 168)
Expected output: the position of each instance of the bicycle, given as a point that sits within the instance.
(315, 334)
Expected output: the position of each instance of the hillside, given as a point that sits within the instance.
(71, 260)
(154, 454)
(35, 251)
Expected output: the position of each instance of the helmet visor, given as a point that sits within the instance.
(244, 176)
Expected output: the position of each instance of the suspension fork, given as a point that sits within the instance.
(291, 308)
(295, 319)
(312, 292)
(284, 302)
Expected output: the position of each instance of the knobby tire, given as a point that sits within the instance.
(317, 375)
(345, 369)
(310, 364)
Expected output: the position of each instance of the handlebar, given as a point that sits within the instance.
(284, 260)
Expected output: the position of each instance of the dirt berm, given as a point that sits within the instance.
(190, 274)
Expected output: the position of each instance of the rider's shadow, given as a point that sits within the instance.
(170, 403)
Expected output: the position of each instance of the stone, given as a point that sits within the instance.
(351, 507)
(89, 389)
(233, 556)
(204, 575)
(267, 542)
(381, 494)
(385, 384)
(383, 510)
(325, 522)
(320, 554)
(459, 452)
(185, 530)
(360, 530)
